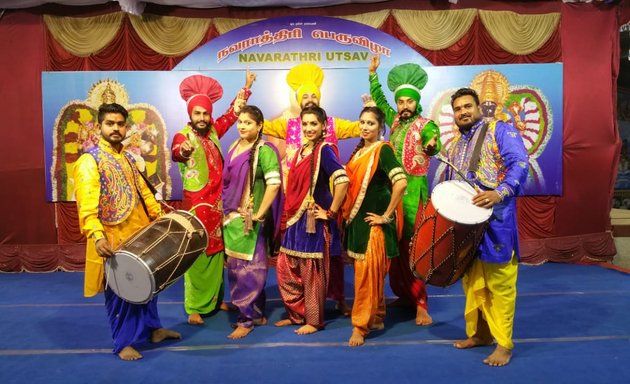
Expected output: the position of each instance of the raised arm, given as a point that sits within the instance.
(346, 129)
(223, 123)
(276, 128)
(376, 91)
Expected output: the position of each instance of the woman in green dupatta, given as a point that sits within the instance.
(252, 199)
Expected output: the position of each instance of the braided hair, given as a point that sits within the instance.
(380, 119)
(321, 117)
(255, 114)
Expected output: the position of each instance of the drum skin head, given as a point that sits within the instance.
(130, 278)
(453, 200)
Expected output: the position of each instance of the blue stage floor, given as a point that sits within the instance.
(572, 326)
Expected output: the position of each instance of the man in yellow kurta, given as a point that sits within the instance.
(113, 202)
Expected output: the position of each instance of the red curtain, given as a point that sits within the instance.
(39, 236)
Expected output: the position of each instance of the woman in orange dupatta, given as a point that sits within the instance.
(373, 215)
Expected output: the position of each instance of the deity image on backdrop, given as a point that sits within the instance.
(523, 106)
(75, 132)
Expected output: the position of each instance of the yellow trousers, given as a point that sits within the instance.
(490, 289)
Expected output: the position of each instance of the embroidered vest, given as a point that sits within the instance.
(413, 158)
(195, 171)
(294, 137)
(118, 194)
(491, 170)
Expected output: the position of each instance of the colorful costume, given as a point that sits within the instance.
(107, 189)
(371, 174)
(303, 265)
(409, 137)
(490, 284)
(305, 78)
(247, 251)
(201, 178)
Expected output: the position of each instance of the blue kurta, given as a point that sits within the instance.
(503, 166)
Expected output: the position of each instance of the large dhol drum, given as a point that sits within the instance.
(447, 235)
(156, 256)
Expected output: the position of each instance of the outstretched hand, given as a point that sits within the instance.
(375, 61)
(186, 148)
(250, 77)
(431, 145)
(239, 102)
(368, 101)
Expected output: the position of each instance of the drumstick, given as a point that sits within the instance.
(440, 158)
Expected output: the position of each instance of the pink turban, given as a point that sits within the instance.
(201, 91)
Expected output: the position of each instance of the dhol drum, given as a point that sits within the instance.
(156, 256)
(447, 234)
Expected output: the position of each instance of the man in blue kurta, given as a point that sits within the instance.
(490, 283)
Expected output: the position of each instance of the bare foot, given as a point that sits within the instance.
(343, 308)
(306, 329)
(500, 357)
(377, 326)
(162, 334)
(400, 302)
(283, 323)
(228, 307)
(240, 332)
(129, 353)
(472, 342)
(195, 319)
(422, 316)
(356, 339)
(261, 321)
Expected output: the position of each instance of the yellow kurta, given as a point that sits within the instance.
(344, 129)
(87, 192)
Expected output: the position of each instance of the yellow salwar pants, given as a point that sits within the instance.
(490, 289)
(369, 284)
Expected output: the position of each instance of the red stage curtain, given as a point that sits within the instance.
(477, 47)
(38, 236)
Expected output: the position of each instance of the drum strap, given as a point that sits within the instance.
(473, 165)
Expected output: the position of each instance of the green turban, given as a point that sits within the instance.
(407, 80)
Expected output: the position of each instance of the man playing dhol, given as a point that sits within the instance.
(113, 202)
(414, 138)
(490, 283)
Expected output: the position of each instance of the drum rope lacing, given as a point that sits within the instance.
(449, 232)
(189, 229)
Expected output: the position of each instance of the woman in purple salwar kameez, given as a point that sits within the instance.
(252, 202)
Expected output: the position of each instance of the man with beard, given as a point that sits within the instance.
(197, 151)
(490, 283)
(414, 138)
(113, 202)
(306, 79)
